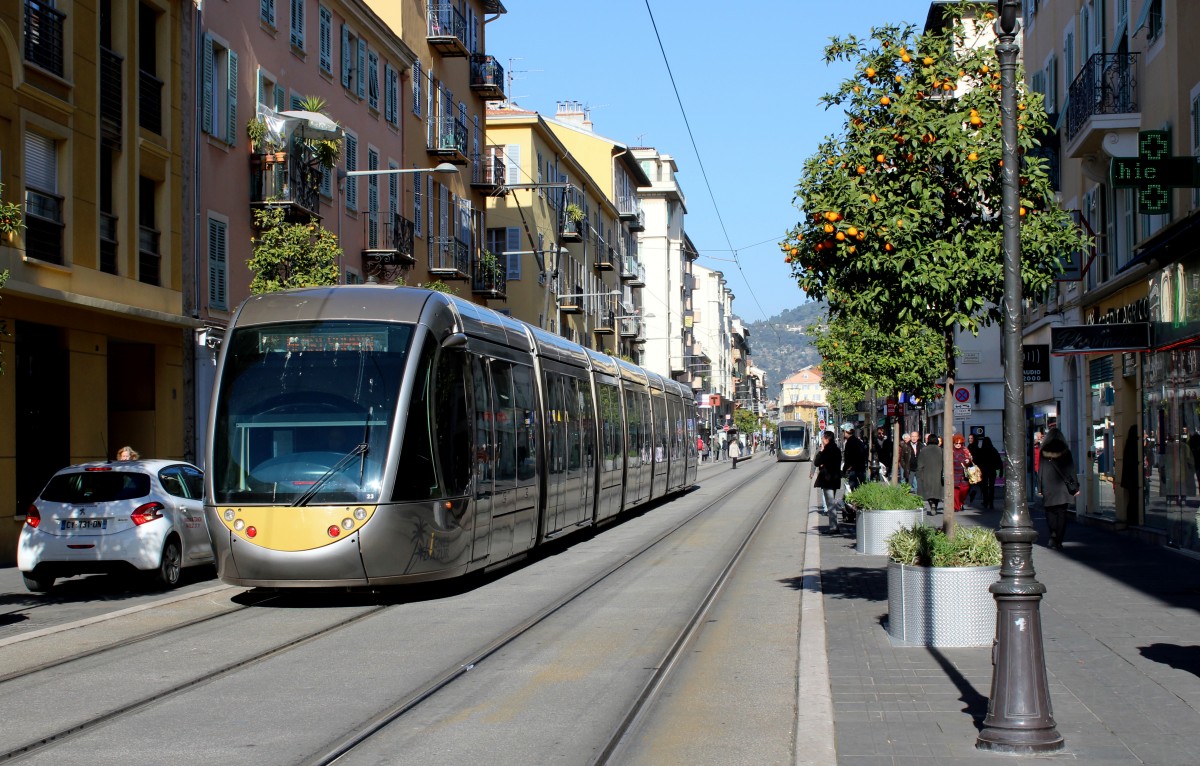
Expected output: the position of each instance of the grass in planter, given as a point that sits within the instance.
(928, 546)
(880, 496)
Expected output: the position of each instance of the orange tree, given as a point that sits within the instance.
(900, 221)
(290, 254)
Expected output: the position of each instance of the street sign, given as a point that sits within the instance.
(962, 410)
(962, 394)
(822, 416)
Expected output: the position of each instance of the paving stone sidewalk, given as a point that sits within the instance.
(1121, 621)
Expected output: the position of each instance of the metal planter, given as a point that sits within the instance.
(873, 528)
(941, 606)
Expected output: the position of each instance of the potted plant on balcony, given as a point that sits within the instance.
(880, 509)
(325, 150)
(256, 131)
(490, 270)
(938, 587)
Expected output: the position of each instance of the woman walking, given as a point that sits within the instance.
(929, 472)
(1057, 482)
(988, 460)
(827, 465)
(961, 459)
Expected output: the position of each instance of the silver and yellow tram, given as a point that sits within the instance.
(793, 442)
(368, 434)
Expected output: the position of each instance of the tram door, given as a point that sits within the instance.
(505, 457)
(485, 460)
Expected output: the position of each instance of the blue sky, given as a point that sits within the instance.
(749, 75)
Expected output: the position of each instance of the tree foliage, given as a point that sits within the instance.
(288, 255)
(901, 212)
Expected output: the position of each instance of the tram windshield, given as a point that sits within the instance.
(304, 412)
(792, 438)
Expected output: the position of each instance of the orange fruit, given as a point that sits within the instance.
(976, 121)
(861, 170)
(851, 249)
(885, 101)
(873, 197)
(828, 228)
(972, 156)
(898, 78)
(1023, 211)
(906, 58)
(840, 236)
(852, 231)
(870, 72)
(880, 158)
(947, 86)
(984, 69)
(888, 247)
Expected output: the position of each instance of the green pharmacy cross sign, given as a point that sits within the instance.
(1154, 172)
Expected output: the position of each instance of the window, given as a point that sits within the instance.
(351, 165)
(44, 35)
(1154, 20)
(325, 40)
(266, 11)
(505, 242)
(1069, 53)
(218, 252)
(391, 94)
(429, 206)
(44, 221)
(1051, 84)
(298, 23)
(149, 256)
(416, 88)
(270, 93)
(372, 199)
(393, 191)
(418, 230)
(220, 91)
(373, 80)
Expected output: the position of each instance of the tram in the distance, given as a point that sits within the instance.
(370, 434)
(793, 442)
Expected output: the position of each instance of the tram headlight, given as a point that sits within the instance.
(347, 524)
(239, 525)
(229, 514)
(360, 514)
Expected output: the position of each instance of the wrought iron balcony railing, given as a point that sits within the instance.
(487, 77)
(489, 169)
(489, 277)
(111, 94)
(450, 258)
(448, 138)
(447, 31)
(1107, 84)
(44, 36)
(44, 226)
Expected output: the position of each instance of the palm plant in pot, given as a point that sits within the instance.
(938, 586)
(879, 509)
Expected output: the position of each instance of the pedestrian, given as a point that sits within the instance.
(883, 454)
(915, 438)
(854, 458)
(716, 450)
(128, 453)
(735, 450)
(1036, 451)
(974, 491)
(904, 460)
(989, 463)
(827, 467)
(1057, 482)
(702, 448)
(1131, 478)
(929, 472)
(960, 459)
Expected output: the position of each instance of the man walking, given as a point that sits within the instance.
(915, 438)
(854, 458)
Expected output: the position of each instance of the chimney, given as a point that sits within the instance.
(575, 113)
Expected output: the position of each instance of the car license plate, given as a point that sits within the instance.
(69, 524)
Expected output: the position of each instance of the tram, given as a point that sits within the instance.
(376, 434)
(793, 442)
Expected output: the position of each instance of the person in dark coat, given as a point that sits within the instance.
(827, 466)
(1131, 478)
(854, 458)
(929, 471)
(1056, 470)
(973, 445)
(988, 460)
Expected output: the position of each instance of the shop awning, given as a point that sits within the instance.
(1100, 338)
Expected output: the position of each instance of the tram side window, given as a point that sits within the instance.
(526, 425)
(633, 416)
(588, 423)
(484, 449)
(452, 421)
(416, 478)
(573, 422)
(507, 425)
(660, 428)
(556, 448)
(610, 419)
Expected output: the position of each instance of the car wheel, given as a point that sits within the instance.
(37, 584)
(171, 564)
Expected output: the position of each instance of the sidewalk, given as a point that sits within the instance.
(1121, 622)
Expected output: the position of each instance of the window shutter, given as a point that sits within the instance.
(217, 255)
(41, 163)
(362, 67)
(393, 190)
(298, 23)
(280, 99)
(418, 218)
(389, 96)
(231, 98)
(416, 88)
(429, 202)
(325, 42)
(351, 164)
(512, 243)
(373, 80)
(372, 181)
(512, 168)
(346, 58)
(207, 119)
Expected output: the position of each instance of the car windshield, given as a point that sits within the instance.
(96, 487)
(295, 399)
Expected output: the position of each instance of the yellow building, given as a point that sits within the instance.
(562, 214)
(90, 127)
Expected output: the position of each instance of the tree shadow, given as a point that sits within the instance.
(1185, 658)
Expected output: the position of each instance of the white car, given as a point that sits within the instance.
(143, 515)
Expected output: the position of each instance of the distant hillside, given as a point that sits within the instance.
(779, 345)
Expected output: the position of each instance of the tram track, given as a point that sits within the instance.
(457, 670)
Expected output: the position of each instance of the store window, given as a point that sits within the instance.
(1103, 434)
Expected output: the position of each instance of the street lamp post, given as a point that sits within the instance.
(1019, 719)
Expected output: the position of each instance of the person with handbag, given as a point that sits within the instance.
(961, 459)
(1057, 483)
(827, 467)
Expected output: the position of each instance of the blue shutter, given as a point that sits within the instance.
(346, 60)
(418, 218)
(512, 243)
(231, 99)
(298, 23)
(325, 42)
(351, 165)
(372, 80)
(217, 263)
(416, 88)
(362, 68)
(280, 99)
(207, 119)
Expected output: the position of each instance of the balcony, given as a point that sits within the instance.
(489, 170)
(108, 243)
(606, 324)
(44, 226)
(447, 33)
(449, 259)
(149, 260)
(572, 303)
(629, 210)
(111, 116)
(150, 102)
(631, 327)
(44, 36)
(489, 277)
(632, 272)
(282, 180)
(572, 231)
(1102, 99)
(449, 140)
(605, 259)
(390, 246)
(487, 77)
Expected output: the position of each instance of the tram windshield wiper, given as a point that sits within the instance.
(359, 449)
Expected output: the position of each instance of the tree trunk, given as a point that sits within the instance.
(896, 447)
(948, 439)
